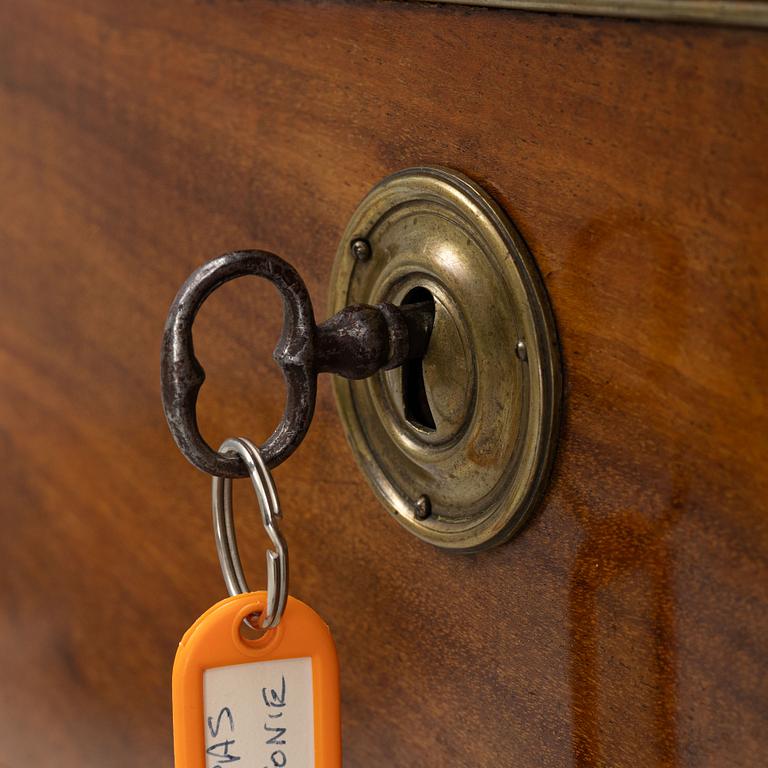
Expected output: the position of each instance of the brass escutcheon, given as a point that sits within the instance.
(458, 446)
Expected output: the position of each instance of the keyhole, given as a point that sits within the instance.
(415, 400)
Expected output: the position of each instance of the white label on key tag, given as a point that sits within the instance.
(260, 715)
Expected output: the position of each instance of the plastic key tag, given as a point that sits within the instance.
(266, 703)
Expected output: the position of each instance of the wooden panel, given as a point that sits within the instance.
(626, 626)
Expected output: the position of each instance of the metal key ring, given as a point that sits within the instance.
(226, 539)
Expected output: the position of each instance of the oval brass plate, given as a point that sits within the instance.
(471, 429)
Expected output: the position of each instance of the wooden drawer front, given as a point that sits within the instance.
(626, 626)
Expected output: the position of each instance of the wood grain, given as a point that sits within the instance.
(626, 626)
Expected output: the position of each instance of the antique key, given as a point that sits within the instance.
(355, 343)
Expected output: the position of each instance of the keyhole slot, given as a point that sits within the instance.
(415, 401)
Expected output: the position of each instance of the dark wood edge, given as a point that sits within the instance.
(728, 13)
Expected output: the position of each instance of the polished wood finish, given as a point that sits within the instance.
(627, 625)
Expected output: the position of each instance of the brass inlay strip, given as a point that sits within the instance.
(736, 13)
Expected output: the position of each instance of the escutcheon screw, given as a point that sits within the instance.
(361, 249)
(423, 507)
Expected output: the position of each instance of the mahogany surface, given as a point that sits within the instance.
(627, 625)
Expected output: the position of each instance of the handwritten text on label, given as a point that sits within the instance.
(260, 713)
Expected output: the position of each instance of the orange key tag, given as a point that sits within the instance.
(267, 703)
(270, 702)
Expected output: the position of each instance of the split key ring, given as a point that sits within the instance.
(226, 539)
